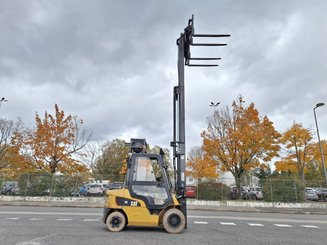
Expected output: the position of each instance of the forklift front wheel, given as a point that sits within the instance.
(116, 221)
(173, 221)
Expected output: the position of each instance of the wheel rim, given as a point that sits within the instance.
(115, 221)
(174, 220)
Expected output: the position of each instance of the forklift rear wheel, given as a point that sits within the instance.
(173, 221)
(116, 221)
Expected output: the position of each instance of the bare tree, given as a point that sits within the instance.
(9, 141)
(92, 152)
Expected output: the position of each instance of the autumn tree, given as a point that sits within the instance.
(239, 140)
(7, 131)
(198, 166)
(109, 163)
(298, 145)
(314, 171)
(57, 141)
(302, 153)
(314, 174)
(12, 159)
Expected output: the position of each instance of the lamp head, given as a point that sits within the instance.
(320, 104)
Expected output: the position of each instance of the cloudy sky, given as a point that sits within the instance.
(114, 63)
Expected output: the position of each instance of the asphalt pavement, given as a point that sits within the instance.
(27, 225)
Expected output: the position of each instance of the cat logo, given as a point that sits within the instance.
(127, 202)
(134, 203)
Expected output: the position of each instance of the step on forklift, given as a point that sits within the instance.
(148, 198)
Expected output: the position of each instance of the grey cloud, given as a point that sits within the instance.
(113, 63)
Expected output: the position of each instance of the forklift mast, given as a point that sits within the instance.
(147, 198)
(184, 58)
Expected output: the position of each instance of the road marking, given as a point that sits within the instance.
(51, 213)
(12, 218)
(282, 225)
(226, 223)
(258, 219)
(254, 224)
(220, 217)
(311, 226)
(64, 219)
(35, 241)
(200, 222)
(29, 243)
(91, 220)
(36, 219)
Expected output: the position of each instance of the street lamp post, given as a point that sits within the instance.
(321, 151)
(3, 100)
(214, 105)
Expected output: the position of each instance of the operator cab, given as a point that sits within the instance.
(148, 181)
(146, 177)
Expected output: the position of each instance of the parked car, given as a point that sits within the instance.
(310, 194)
(190, 191)
(115, 185)
(80, 191)
(321, 193)
(254, 193)
(233, 192)
(94, 189)
(46, 192)
(83, 191)
(10, 188)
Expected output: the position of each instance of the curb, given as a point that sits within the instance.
(193, 204)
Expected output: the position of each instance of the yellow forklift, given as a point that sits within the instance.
(147, 197)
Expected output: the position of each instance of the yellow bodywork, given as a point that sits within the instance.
(136, 215)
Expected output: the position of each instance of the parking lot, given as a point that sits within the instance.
(50, 225)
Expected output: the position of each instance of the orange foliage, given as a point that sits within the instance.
(123, 169)
(241, 140)
(198, 166)
(301, 151)
(55, 141)
(12, 159)
(315, 152)
(16, 162)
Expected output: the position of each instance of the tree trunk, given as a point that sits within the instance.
(53, 165)
(302, 174)
(238, 188)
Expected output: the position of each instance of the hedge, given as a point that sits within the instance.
(211, 191)
(283, 190)
(40, 184)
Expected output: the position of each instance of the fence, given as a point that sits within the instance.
(36, 184)
(269, 190)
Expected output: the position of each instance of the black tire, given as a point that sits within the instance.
(116, 221)
(173, 221)
(254, 197)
